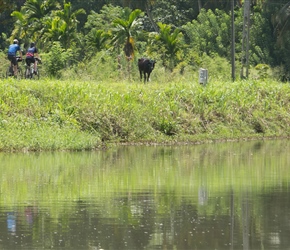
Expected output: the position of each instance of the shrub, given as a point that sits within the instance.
(263, 71)
(56, 60)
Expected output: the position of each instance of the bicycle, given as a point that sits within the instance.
(10, 71)
(29, 70)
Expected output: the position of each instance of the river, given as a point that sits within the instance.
(232, 195)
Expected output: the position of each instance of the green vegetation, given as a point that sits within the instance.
(85, 115)
(176, 33)
(177, 170)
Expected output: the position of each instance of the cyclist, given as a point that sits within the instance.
(32, 56)
(12, 51)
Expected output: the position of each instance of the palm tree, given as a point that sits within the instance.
(45, 21)
(96, 40)
(29, 24)
(123, 32)
(171, 40)
(37, 9)
(57, 31)
(145, 5)
(20, 26)
(69, 17)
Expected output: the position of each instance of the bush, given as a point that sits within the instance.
(4, 63)
(263, 71)
(56, 60)
(218, 67)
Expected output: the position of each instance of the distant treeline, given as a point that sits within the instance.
(179, 32)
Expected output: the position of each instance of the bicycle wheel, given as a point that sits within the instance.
(9, 72)
(27, 74)
(36, 76)
(19, 73)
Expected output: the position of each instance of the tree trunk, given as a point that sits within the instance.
(199, 6)
(126, 3)
(155, 27)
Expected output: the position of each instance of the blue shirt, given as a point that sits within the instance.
(31, 51)
(13, 48)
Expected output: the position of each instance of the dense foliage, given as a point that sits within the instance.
(177, 33)
(78, 115)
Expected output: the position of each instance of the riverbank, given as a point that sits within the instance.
(76, 115)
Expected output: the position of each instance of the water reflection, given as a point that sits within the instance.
(11, 222)
(214, 196)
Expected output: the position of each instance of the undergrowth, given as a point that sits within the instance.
(85, 115)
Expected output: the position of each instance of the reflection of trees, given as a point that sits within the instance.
(232, 221)
(245, 221)
(187, 203)
(159, 221)
(275, 205)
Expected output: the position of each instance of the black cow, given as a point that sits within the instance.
(145, 66)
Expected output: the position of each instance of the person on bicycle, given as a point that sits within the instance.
(12, 52)
(32, 56)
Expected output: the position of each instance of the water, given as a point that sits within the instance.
(212, 196)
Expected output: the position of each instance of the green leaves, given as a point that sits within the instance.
(124, 29)
(210, 33)
(96, 40)
(46, 22)
(56, 59)
(171, 40)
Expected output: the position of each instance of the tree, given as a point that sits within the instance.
(104, 19)
(124, 29)
(171, 40)
(210, 33)
(281, 22)
(57, 31)
(146, 6)
(35, 10)
(69, 21)
(29, 20)
(56, 59)
(20, 30)
(98, 28)
(88, 6)
(96, 40)
(5, 19)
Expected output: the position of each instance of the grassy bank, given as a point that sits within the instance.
(77, 115)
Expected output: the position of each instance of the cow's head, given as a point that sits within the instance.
(152, 64)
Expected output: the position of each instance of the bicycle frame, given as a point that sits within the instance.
(10, 70)
(29, 71)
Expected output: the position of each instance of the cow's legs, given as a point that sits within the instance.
(140, 75)
(144, 77)
(148, 75)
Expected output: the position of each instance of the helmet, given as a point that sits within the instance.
(15, 41)
(32, 44)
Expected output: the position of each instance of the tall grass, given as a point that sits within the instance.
(78, 115)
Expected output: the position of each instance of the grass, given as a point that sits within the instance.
(85, 115)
